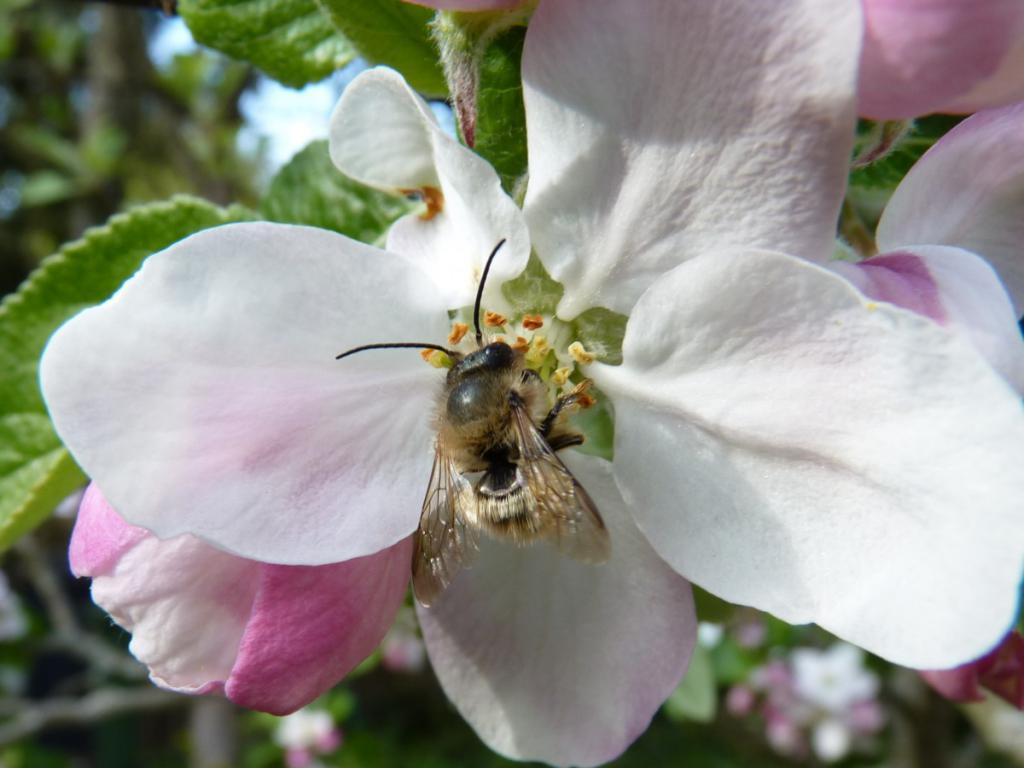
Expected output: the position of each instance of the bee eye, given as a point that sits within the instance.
(470, 401)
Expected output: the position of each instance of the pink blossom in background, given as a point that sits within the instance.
(305, 735)
(269, 637)
(1001, 672)
(956, 56)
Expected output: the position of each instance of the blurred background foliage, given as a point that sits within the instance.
(98, 113)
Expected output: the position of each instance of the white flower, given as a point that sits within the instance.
(833, 680)
(779, 439)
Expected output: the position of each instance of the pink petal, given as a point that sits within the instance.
(1001, 671)
(967, 191)
(311, 625)
(955, 288)
(560, 661)
(923, 56)
(100, 536)
(272, 637)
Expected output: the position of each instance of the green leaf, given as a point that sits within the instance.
(310, 190)
(291, 40)
(395, 33)
(36, 472)
(501, 117)
(696, 698)
(600, 331)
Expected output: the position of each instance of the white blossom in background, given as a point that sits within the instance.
(820, 701)
(306, 734)
(780, 438)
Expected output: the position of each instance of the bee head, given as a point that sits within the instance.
(496, 356)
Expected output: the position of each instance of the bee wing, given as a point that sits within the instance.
(564, 510)
(444, 541)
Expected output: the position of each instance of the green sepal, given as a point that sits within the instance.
(36, 472)
(394, 33)
(501, 116)
(534, 290)
(310, 190)
(889, 170)
(600, 331)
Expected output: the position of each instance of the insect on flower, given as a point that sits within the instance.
(496, 468)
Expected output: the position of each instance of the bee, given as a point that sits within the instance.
(496, 469)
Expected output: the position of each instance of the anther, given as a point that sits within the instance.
(561, 376)
(458, 331)
(494, 319)
(533, 322)
(579, 354)
(520, 344)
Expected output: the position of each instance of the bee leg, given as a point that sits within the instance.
(577, 397)
(565, 440)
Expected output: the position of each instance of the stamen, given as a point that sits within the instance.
(538, 350)
(561, 376)
(494, 319)
(436, 358)
(579, 354)
(458, 331)
(533, 322)
(432, 197)
(520, 344)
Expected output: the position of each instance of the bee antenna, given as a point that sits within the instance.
(480, 291)
(396, 345)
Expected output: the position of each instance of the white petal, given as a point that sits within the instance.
(967, 191)
(186, 605)
(553, 660)
(787, 444)
(660, 130)
(204, 397)
(955, 288)
(384, 135)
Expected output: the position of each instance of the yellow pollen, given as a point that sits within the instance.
(561, 376)
(871, 306)
(494, 319)
(436, 358)
(533, 322)
(579, 354)
(458, 331)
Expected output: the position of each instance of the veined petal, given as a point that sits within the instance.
(384, 135)
(186, 605)
(967, 191)
(953, 287)
(311, 625)
(554, 660)
(788, 444)
(270, 637)
(658, 131)
(923, 56)
(204, 397)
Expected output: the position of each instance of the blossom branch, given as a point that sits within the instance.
(31, 718)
